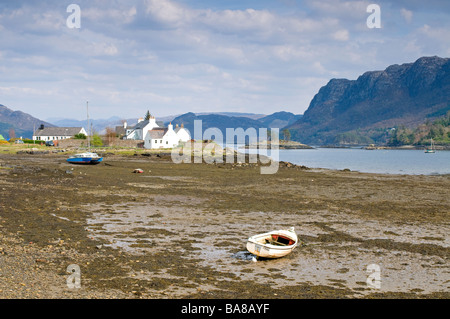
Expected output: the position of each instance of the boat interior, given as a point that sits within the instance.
(277, 240)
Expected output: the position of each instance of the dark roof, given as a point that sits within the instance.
(58, 131)
(139, 125)
(157, 132)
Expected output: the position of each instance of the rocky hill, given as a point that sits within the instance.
(362, 110)
(22, 124)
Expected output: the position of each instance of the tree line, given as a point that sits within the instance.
(438, 130)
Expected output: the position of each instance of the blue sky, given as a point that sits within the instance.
(178, 56)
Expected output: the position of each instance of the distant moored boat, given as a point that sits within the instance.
(432, 149)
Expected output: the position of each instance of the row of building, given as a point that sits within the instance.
(153, 133)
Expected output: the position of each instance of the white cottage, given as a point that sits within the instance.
(183, 133)
(138, 131)
(56, 133)
(165, 137)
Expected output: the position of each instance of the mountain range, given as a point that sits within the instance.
(222, 122)
(24, 124)
(361, 111)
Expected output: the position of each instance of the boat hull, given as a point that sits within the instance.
(85, 159)
(263, 245)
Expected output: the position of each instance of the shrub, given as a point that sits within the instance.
(96, 140)
(79, 136)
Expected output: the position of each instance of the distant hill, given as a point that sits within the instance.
(360, 111)
(252, 116)
(22, 123)
(98, 125)
(222, 122)
(279, 119)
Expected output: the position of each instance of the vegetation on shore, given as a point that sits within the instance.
(438, 130)
(399, 136)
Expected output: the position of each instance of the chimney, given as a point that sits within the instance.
(152, 122)
(140, 120)
(170, 126)
(125, 124)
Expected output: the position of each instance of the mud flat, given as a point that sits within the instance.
(179, 230)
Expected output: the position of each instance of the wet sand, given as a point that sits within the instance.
(179, 230)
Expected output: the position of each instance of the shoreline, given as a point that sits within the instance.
(406, 147)
(166, 154)
(115, 224)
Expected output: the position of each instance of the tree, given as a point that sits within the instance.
(12, 133)
(96, 140)
(286, 134)
(79, 136)
(110, 135)
(147, 115)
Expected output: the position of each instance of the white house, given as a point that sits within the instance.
(183, 133)
(56, 133)
(165, 137)
(138, 131)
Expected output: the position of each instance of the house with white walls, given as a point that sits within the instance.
(56, 133)
(182, 133)
(138, 131)
(159, 137)
(154, 134)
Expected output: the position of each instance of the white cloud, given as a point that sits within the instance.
(406, 14)
(341, 35)
(120, 16)
(180, 57)
(168, 12)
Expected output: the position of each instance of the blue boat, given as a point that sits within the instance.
(85, 158)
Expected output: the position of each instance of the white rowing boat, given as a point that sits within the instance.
(274, 244)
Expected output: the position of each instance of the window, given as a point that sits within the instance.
(167, 142)
(160, 141)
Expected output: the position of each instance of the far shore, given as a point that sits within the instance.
(384, 147)
(283, 144)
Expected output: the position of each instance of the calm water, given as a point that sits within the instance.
(411, 162)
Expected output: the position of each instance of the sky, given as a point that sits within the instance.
(177, 56)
